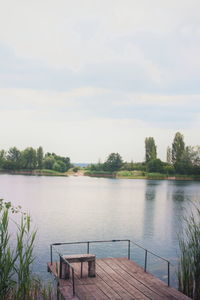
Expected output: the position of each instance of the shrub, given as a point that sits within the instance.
(75, 169)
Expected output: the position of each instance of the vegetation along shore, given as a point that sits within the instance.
(182, 163)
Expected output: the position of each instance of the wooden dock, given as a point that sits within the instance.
(116, 278)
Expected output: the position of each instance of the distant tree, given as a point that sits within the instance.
(40, 157)
(13, 159)
(178, 148)
(67, 162)
(155, 165)
(113, 163)
(168, 169)
(2, 157)
(190, 161)
(49, 162)
(13, 154)
(57, 158)
(59, 166)
(169, 155)
(150, 149)
(194, 155)
(29, 158)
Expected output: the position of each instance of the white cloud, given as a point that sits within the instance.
(40, 99)
(74, 34)
(161, 99)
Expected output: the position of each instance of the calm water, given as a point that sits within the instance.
(65, 209)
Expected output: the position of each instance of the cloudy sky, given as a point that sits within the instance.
(90, 77)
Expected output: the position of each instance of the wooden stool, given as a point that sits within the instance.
(65, 268)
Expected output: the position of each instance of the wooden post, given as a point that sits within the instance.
(66, 271)
(91, 268)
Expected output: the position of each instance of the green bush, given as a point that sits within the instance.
(75, 169)
(156, 176)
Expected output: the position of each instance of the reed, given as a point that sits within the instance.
(16, 280)
(24, 253)
(7, 259)
(189, 263)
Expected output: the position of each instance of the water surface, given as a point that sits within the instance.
(65, 209)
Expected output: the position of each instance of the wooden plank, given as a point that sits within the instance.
(154, 283)
(132, 280)
(116, 278)
(106, 289)
(118, 289)
(82, 293)
(66, 293)
(130, 290)
(111, 294)
(95, 292)
(147, 279)
(79, 257)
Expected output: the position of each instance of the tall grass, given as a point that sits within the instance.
(189, 264)
(7, 258)
(16, 279)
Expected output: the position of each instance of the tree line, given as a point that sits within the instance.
(30, 159)
(180, 159)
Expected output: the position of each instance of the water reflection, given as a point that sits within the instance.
(149, 208)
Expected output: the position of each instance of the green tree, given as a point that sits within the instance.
(67, 163)
(168, 169)
(155, 165)
(169, 155)
(113, 163)
(49, 162)
(2, 157)
(13, 159)
(29, 158)
(58, 159)
(59, 166)
(194, 155)
(14, 154)
(178, 148)
(40, 157)
(150, 149)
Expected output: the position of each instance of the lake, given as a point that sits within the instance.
(67, 209)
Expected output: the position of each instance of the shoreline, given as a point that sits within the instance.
(98, 175)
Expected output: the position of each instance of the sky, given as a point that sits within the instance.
(86, 78)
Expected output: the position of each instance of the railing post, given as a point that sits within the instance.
(73, 282)
(168, 271)
(88, 247)
(60, 273)
(57, 292)
(145, 261)
(129, 249)
(51, 255)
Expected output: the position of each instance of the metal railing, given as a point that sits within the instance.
(129, 242)
(160, 257)
(60, 268)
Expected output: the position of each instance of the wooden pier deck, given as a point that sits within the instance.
(116, 278)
